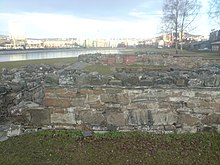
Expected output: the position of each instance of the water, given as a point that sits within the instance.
(51, 54)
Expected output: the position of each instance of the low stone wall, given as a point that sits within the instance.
(113, 108)
(12, 101)
(155, 59)
(183, 62)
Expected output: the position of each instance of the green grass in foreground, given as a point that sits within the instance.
(18, 64)
(69, 147)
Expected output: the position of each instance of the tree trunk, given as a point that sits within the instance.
(181, 41)
(176, 43)
(176, 26)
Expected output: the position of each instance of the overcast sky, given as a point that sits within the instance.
(87, 18)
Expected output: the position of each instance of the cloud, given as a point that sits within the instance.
(138, 14)
(42, 25)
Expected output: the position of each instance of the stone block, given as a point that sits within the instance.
(192, 104)
(57, 110)
(188, 93)
(211, 81)
(39, 117)
(187, 119)
(164, 104)
(195, 83)
(92, 98)
(65, 93)
(174, 93)
(92, 117)
(98, 105)
(181, 83)
(65, 118)
(139, 117)
(188, 129)
(50, 92)
(3, 135)
(146, 83)
(209, 129)
(85, 91)
(123, 99)
(202, 94)
(78, 102)
(184, 110)
(113, 90)
(178, 105)
(164, 118)
(170, 128)
(216, 106)
(98, 91)
(116, 82)
(14, 130)
(211, 119)
(109, 98)
(132, 106)
(203, 110)
(52, 80)
(57, 102)
(179, 99)
(116, 119)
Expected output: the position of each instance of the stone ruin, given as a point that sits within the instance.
(60, 96)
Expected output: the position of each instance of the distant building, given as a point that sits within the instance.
(5, 42)
(214, 36)
(215, 40)
(216, 46)
(58, 43)
(34, 44)
(200, 45)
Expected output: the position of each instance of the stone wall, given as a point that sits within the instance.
(17, 87)
(181, 62)
(157, 59)
(111, 108)
(174, 98)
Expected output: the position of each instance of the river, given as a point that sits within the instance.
(48, 54)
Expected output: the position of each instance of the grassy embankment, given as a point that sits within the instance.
(69, 147)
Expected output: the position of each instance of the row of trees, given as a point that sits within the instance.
(178, 15)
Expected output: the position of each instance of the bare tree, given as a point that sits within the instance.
(214, 10)
(178, 16)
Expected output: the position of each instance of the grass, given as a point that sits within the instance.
(19, 64)
(101, 69)
(69, 147)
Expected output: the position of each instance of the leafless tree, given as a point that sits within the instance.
(178, 16)
(214, 10)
